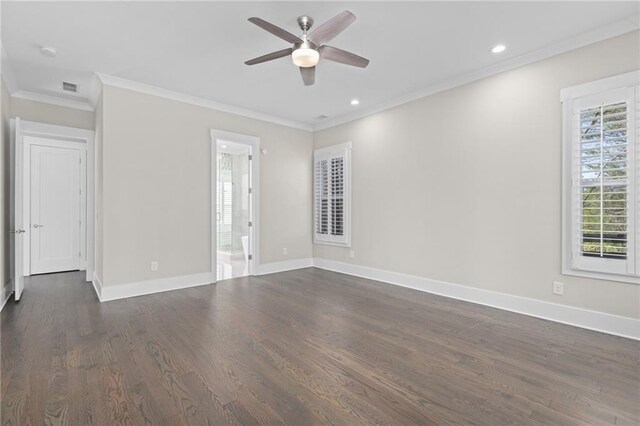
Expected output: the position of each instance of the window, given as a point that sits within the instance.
(601, 188)
(332, 194)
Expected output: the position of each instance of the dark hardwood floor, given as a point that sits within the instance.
(302, 347)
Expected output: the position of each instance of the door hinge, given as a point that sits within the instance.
(250, 190)
(250, 223)
(250, 157)
(250, 257)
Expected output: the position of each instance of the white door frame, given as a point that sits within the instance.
(16, 239)
(60, 136)
(29, 141)
(254, 214)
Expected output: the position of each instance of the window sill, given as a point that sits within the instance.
(331, 243)
(601, 276)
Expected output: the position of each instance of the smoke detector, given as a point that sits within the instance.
(48, 51)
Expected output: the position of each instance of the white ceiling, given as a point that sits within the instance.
(198, 48)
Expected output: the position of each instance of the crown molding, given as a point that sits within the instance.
(95, 90)
(110, 80)
(53, 100)
(595, 36)
(627, 79)
(600, 34)
(6, 72)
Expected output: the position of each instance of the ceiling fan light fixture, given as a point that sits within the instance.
(305, 57)
(306, 50)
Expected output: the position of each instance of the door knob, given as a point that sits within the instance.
(36, 226)
(17, 231)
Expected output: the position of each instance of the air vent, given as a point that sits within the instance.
(69, 87)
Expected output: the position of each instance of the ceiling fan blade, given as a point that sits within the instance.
(270, 56)
(308, 75)
(334, 26)
(338, 55)
(276, 31)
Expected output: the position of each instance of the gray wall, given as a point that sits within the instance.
(157, 192)
(52, 114)
(464, 186)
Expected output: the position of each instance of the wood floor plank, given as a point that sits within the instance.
(304, 347)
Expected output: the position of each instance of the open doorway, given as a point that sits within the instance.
(232, 209)
(234, 204)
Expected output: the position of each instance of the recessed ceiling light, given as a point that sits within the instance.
(354, 102)
(48, 51)
(498, 48)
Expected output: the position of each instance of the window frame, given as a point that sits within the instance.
(620, 87)
(339, 150)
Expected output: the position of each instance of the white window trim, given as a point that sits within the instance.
(628, 80)
(321, 152)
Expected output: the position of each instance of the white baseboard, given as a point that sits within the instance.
(584, 318)
(5, 294)
(123, 291)
(592, 320)
(287, 265)
(97, 286)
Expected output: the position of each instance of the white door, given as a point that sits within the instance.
(16, 225)
(54, 209)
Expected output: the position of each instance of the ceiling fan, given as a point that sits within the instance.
(310, 47)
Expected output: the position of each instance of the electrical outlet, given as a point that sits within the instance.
(558, 288)
(154, 265)
(352, 254)
(284, 250)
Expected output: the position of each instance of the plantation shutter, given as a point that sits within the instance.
(604, 182)
(331, 194)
